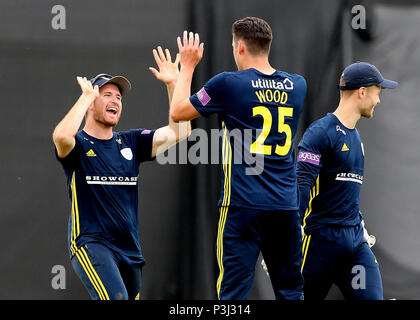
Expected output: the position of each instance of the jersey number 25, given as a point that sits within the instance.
(258, 145)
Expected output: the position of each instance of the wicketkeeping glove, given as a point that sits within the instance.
(370, 238)
(264, 266)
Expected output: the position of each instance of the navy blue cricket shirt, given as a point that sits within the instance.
(102, 179)
(330, 168)
(260, 115)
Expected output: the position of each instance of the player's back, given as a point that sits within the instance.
(260, 115)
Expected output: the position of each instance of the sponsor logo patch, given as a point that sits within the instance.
(91, 153)
(306, 156)
(345, 148)
(127, 153)
(271, 84)
(203, 96)
(349, 176)
(337, 128)
(105, 180)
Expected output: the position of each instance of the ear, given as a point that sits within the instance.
(241, 47)
(362, 92)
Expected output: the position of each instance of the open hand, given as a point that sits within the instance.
(190, 49)
(87, 87)
(168, 70)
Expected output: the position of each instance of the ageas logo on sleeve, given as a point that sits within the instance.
(203, 97)
(309, 157)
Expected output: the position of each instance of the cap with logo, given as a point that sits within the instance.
(121, 82)
(363, 74)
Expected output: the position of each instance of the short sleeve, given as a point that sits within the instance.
(303, 90)
(69, 161)
(144, 144)
(211, 98)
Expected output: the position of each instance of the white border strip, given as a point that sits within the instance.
(119, 183)
(349, 179)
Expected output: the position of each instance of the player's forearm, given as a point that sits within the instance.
(170, 88)
(306, 179)
(304, 198)
(182, 92)
(182, 129)
(70, 124)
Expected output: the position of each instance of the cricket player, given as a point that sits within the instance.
(102, 170)
(330, 169)
(258, 202)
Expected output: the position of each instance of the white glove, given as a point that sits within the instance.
(264, 266)
(370, 239)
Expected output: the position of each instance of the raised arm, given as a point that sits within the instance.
(191, 52)
(168, 73)
(65, 132)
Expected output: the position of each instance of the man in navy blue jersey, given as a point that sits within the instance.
(102, 170)
(258, 202)
(330, 168)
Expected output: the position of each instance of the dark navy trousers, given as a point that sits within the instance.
(340, 255)
(106, 274)
(243, 234)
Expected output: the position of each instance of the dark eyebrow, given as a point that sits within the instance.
(110, 92)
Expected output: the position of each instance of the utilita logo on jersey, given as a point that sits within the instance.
(306, 156)
(271, 84)
(121, 181)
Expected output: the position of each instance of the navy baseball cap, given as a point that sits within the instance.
(362, 74)
(121, 82)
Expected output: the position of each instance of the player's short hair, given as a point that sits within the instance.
(345, 93)
(255, 32)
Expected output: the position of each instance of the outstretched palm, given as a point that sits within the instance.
(168, 70)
